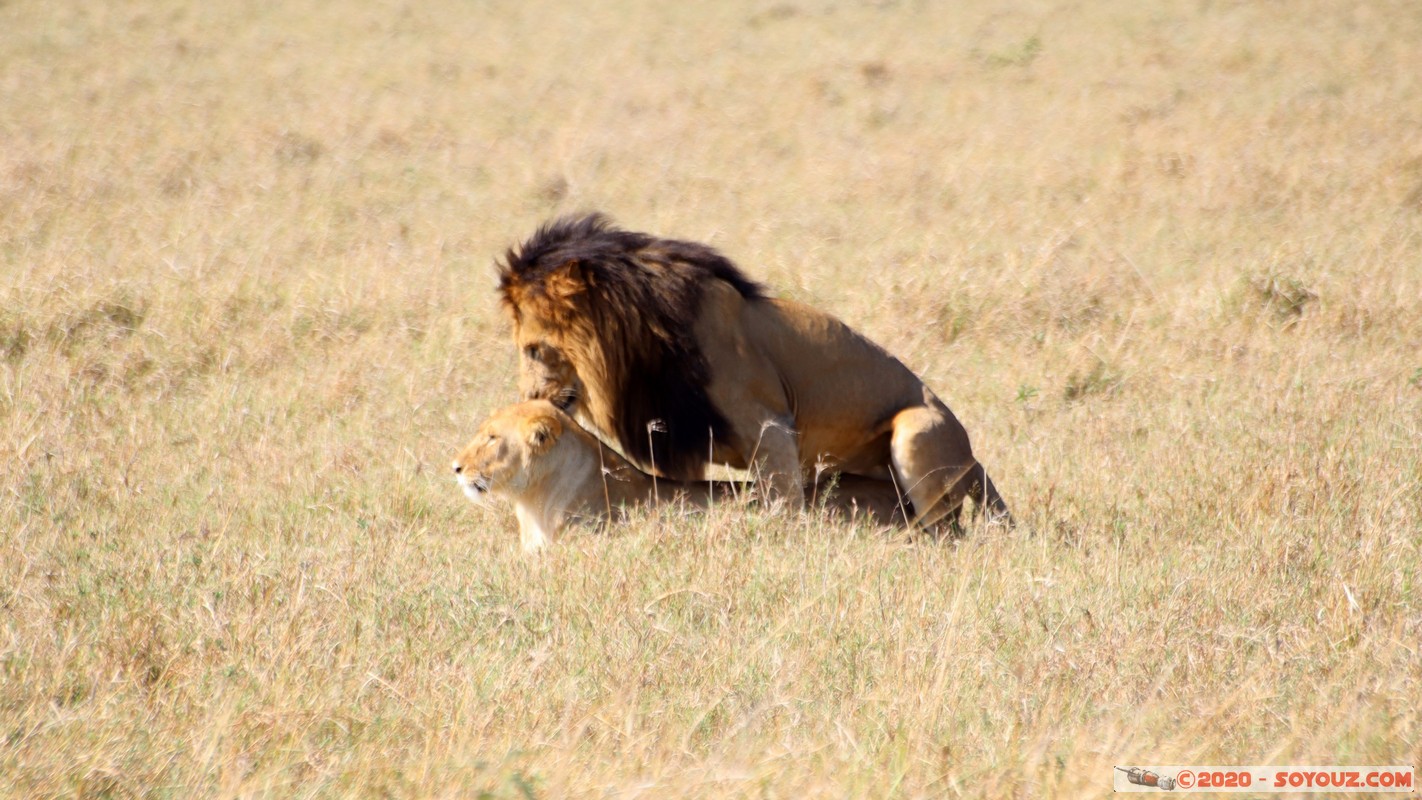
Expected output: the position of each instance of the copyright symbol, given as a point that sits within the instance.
(1185, 779)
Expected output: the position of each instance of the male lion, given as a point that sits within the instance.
(668, 349)
(554, 472)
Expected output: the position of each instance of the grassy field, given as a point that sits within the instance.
(1163, 259)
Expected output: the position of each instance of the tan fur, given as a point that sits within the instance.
(555, 473)
(764, 384)
(848, 403)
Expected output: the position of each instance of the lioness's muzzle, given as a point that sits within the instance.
(476, 488)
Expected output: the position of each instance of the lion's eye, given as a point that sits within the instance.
(531, 351)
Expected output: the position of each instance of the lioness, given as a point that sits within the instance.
(555, 472)
(669, 350)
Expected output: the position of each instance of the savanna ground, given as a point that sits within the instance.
(1164, 259)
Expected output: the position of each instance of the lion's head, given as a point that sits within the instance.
(603, 320)
(505, 454)
(545, 373)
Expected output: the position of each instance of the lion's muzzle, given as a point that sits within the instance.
(565, 399)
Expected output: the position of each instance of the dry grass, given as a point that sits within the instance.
(1164, 259)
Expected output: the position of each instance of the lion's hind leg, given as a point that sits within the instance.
(987, 503)
(930, 455)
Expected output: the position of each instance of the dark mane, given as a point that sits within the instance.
(593, 239)
(640, 296)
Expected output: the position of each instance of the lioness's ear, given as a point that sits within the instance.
(540, 432)
(568, 280)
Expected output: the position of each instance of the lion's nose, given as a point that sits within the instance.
(458, 469)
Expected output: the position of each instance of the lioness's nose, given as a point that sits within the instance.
(458, 469)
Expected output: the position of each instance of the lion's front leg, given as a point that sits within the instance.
(775, 462)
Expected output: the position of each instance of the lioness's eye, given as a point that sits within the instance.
(531, 351)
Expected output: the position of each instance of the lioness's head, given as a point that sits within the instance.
(504, 457)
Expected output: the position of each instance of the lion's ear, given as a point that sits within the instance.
(568, 280)
(540, 432)
(509, 298)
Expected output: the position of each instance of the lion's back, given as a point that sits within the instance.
(818, 354)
